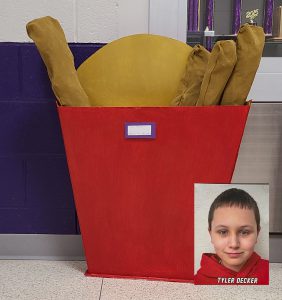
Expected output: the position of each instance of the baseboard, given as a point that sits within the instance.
(69, 247)
(41, 246)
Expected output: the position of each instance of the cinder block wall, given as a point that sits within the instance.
(85, 21)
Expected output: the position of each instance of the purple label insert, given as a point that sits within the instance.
(140, 130)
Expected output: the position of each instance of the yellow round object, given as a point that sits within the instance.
(137, 70)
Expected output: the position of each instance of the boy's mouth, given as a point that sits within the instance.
(234, 254)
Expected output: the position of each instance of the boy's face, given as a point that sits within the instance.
(233, 235)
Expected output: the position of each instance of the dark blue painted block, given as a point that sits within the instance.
(36, 221)
(43, 131)
(82, 51)
(12, 128)
(35, 81)
(12, 182)
(9, 71)
(48, 183)
(27, 128)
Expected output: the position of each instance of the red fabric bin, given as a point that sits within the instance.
(135, 197)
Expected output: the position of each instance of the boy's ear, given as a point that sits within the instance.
(210, 235)
(258, 231)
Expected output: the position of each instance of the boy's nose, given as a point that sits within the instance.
(233, 241)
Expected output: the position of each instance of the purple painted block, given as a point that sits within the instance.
(43, 131)
(12, 128)
(37, 221)
(30, 128)
(9, 71)
(12, 182)
(48, 183)
(35, 81)
(82, 51)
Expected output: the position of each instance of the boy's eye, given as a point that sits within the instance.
(244, 232)
(222, 232)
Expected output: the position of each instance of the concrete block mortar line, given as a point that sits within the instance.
(75, 4)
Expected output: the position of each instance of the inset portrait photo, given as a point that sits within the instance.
(231, 234)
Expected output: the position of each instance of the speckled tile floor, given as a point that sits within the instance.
(64, 280)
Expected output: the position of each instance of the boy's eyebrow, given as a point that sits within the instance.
(221, 226)
(248, 226)
(243, 226)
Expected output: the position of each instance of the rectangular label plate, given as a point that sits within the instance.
(140, 130)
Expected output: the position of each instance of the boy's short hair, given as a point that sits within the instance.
(237, 198)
